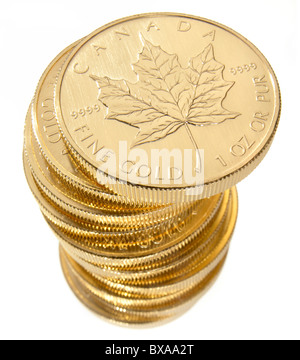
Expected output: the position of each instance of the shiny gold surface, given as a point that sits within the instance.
(138, 253)
(176, 86)
(136, 316)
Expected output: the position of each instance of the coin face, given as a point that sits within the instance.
(168, 84)
(50, 152)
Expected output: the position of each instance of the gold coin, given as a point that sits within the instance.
(166, 81)
(48, 137)
(122, 314)
(131, 244)
(118, 243)
(208, 246)
(54, 151)
(102, 239)
(161, 261)
(152, 290)
(144, 302)
(141, 303)
(63, 199)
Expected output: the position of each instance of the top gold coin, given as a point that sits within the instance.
(167, 107)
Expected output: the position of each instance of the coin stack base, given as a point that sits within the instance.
(157, 295)
(164, 275)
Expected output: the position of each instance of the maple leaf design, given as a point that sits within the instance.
(167, 96)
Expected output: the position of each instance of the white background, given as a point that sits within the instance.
(257, 295)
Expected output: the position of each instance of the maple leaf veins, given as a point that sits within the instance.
(166, 95)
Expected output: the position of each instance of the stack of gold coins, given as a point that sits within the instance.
(133, 143)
